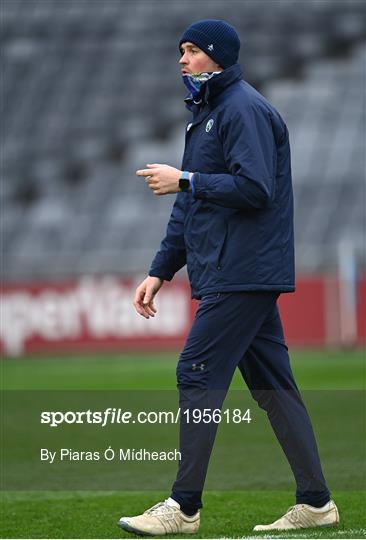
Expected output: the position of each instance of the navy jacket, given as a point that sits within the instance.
(235, 231)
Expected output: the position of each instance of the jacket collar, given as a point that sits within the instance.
(217, 84)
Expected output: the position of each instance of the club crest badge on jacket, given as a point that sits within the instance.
(209, 125)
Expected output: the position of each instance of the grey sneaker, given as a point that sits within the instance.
(303, 516)
(162, 518)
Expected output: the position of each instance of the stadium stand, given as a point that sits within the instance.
(91, 91)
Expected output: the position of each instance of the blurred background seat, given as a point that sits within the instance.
(92, 91)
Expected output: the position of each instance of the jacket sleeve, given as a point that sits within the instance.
(171, 256)
(251, 158)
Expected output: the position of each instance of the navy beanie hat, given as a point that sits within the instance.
(218, 39)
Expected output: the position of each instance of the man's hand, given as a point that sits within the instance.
(161, 179)
(144, 296)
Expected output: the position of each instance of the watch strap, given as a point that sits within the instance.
(185, 175)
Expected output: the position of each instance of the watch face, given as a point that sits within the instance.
(184, 184)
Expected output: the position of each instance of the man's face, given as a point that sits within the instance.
(194, 60)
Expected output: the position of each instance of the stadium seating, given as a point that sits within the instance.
(91, 91)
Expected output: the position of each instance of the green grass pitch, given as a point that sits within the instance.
(229, 514)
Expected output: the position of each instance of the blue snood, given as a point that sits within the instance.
(194, 81)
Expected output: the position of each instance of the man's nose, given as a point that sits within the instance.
(183, 59)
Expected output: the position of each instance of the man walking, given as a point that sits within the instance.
(232, 224)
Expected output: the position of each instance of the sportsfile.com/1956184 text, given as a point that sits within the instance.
(113, 415)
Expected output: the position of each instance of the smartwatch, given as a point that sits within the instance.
(184, 182)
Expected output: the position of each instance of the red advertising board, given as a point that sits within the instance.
(304, 312)
(89, 314)
(94, 314)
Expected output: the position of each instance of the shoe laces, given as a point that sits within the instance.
(293, 513)
(163, 509)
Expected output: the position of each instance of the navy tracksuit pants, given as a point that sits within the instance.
(244, 330)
